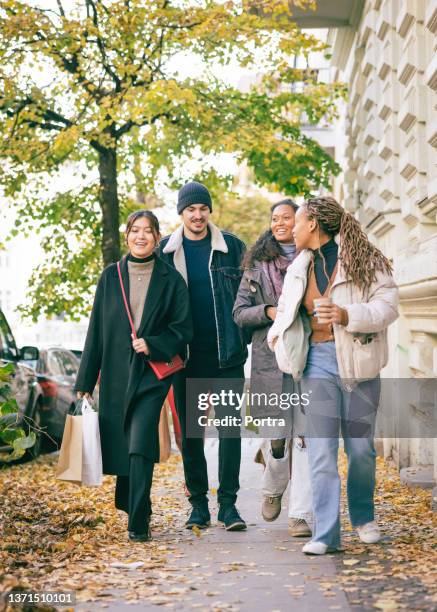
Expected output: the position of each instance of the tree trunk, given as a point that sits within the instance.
(108, 198)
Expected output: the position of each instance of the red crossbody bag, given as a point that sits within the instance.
(162, 369)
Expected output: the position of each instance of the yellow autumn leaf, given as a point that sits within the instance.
(386, 606)
(350, 561)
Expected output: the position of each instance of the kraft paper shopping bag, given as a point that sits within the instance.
(70, 456)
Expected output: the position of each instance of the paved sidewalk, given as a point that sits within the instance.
(274, 574)
(58, 537)
(260, 569)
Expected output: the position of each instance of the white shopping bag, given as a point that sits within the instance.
(91, 450)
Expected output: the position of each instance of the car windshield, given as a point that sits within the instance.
(54, 363)
(8, 348)
(69, 363)
(41, 364)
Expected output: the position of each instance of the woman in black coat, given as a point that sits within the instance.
(131, 396)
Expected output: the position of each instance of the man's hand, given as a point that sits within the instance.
(271, 312)
(331, 313)
(139, 345)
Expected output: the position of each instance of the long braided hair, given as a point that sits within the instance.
(267, 248)
(359, 257)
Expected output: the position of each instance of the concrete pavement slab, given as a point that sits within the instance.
(261, 569)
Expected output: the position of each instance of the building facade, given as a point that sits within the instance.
(386, 52)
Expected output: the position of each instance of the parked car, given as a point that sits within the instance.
(78, 354)
(56, 370)
(24, 383)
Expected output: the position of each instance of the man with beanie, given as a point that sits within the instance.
(209, 259)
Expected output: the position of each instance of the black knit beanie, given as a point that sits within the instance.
(193, 193)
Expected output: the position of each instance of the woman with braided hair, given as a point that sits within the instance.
(330, 332)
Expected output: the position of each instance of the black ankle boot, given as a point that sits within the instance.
(140, 537)
(199, 517)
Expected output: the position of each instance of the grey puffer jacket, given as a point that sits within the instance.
(253, 297)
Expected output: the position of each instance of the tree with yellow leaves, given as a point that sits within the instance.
(97, 86)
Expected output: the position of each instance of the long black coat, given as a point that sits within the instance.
(166, 327)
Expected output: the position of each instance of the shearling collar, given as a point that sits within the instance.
(218, 242)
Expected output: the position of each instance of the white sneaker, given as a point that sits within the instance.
(315, 548)
(369, 533)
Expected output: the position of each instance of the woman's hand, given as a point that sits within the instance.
(332, 313)
(81, 394)
(139, 345)
(271, 312)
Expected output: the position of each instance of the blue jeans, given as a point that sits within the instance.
(332, 409)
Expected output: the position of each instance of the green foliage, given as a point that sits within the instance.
(71, 235)
(11, 433)
(245, 216)
(88, 81)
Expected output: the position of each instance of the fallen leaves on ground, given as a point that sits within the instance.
(57, 536)
(401, 571)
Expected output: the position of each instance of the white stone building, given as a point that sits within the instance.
(385, 50)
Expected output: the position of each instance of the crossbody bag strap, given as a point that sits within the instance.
(126, 305)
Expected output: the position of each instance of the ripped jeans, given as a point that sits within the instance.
(277, 471)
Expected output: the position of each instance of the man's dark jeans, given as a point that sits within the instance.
(205, 365)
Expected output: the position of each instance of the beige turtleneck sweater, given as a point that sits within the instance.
(139, 281)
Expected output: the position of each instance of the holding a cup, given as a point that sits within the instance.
(323, 314)
(327, 312)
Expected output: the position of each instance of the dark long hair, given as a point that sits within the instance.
(267, 248)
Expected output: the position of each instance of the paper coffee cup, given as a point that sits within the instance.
(321, 302)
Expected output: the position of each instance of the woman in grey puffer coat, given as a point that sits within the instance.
(265, 266)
